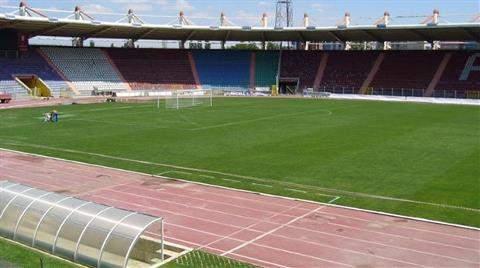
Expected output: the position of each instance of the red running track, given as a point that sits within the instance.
(264, 230)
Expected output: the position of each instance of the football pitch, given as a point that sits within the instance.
(420, 160)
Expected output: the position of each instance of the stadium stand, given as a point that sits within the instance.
(146, 69)
(86, 68)
(266, 68)
(302, 65)
(223, 69)
(347, 70)
(29, 64)
(407, 70)
(462, 73)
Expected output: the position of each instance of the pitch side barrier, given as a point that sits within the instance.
(406, 99)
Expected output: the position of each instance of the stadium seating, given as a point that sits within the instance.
(302, 65)
(154, 68)
(266, 68)
(407, 69)
(29, 64)
(452, 76)
(347, 70)
(223, 69)
(86, 68)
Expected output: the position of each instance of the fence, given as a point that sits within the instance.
(404, 92)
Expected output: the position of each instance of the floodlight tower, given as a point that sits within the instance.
(284, 14)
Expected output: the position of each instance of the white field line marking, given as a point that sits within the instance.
(262, 180)
(260, 119)
(207, 176)
(173, 171)
(110, 108)
(150, 126)
(262, 185)
(329, 195)
(296, 190)
(230, 180)
(333, 200)
(424, 220)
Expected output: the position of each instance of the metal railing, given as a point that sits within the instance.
(404, 92)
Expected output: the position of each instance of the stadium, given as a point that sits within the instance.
(278, 140)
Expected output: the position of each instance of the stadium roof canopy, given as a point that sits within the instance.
(45, 26)
(88, 233)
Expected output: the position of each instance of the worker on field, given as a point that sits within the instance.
(54, 116)
(47, 117)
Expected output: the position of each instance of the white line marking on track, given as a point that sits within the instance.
(291, 226)
(272, 231)
(367, 242)
(253, 224)
(276, 229)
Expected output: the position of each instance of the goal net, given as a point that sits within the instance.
(189, 98)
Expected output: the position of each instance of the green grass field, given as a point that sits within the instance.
(419, 160)
(14, 255)
(200, 259)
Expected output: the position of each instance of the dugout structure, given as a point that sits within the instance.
(88, 233)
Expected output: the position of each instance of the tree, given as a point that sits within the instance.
(207, 45)
(245, 46)
(273, 46)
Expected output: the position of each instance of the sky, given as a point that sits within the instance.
(248, 12)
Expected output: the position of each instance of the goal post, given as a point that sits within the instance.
(188, 98)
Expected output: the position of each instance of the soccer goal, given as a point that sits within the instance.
(188, 98)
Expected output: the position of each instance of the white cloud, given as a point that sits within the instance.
(4, 2)
(96, 8)
(319, 7)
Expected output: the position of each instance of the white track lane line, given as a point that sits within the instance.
(273, 230)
